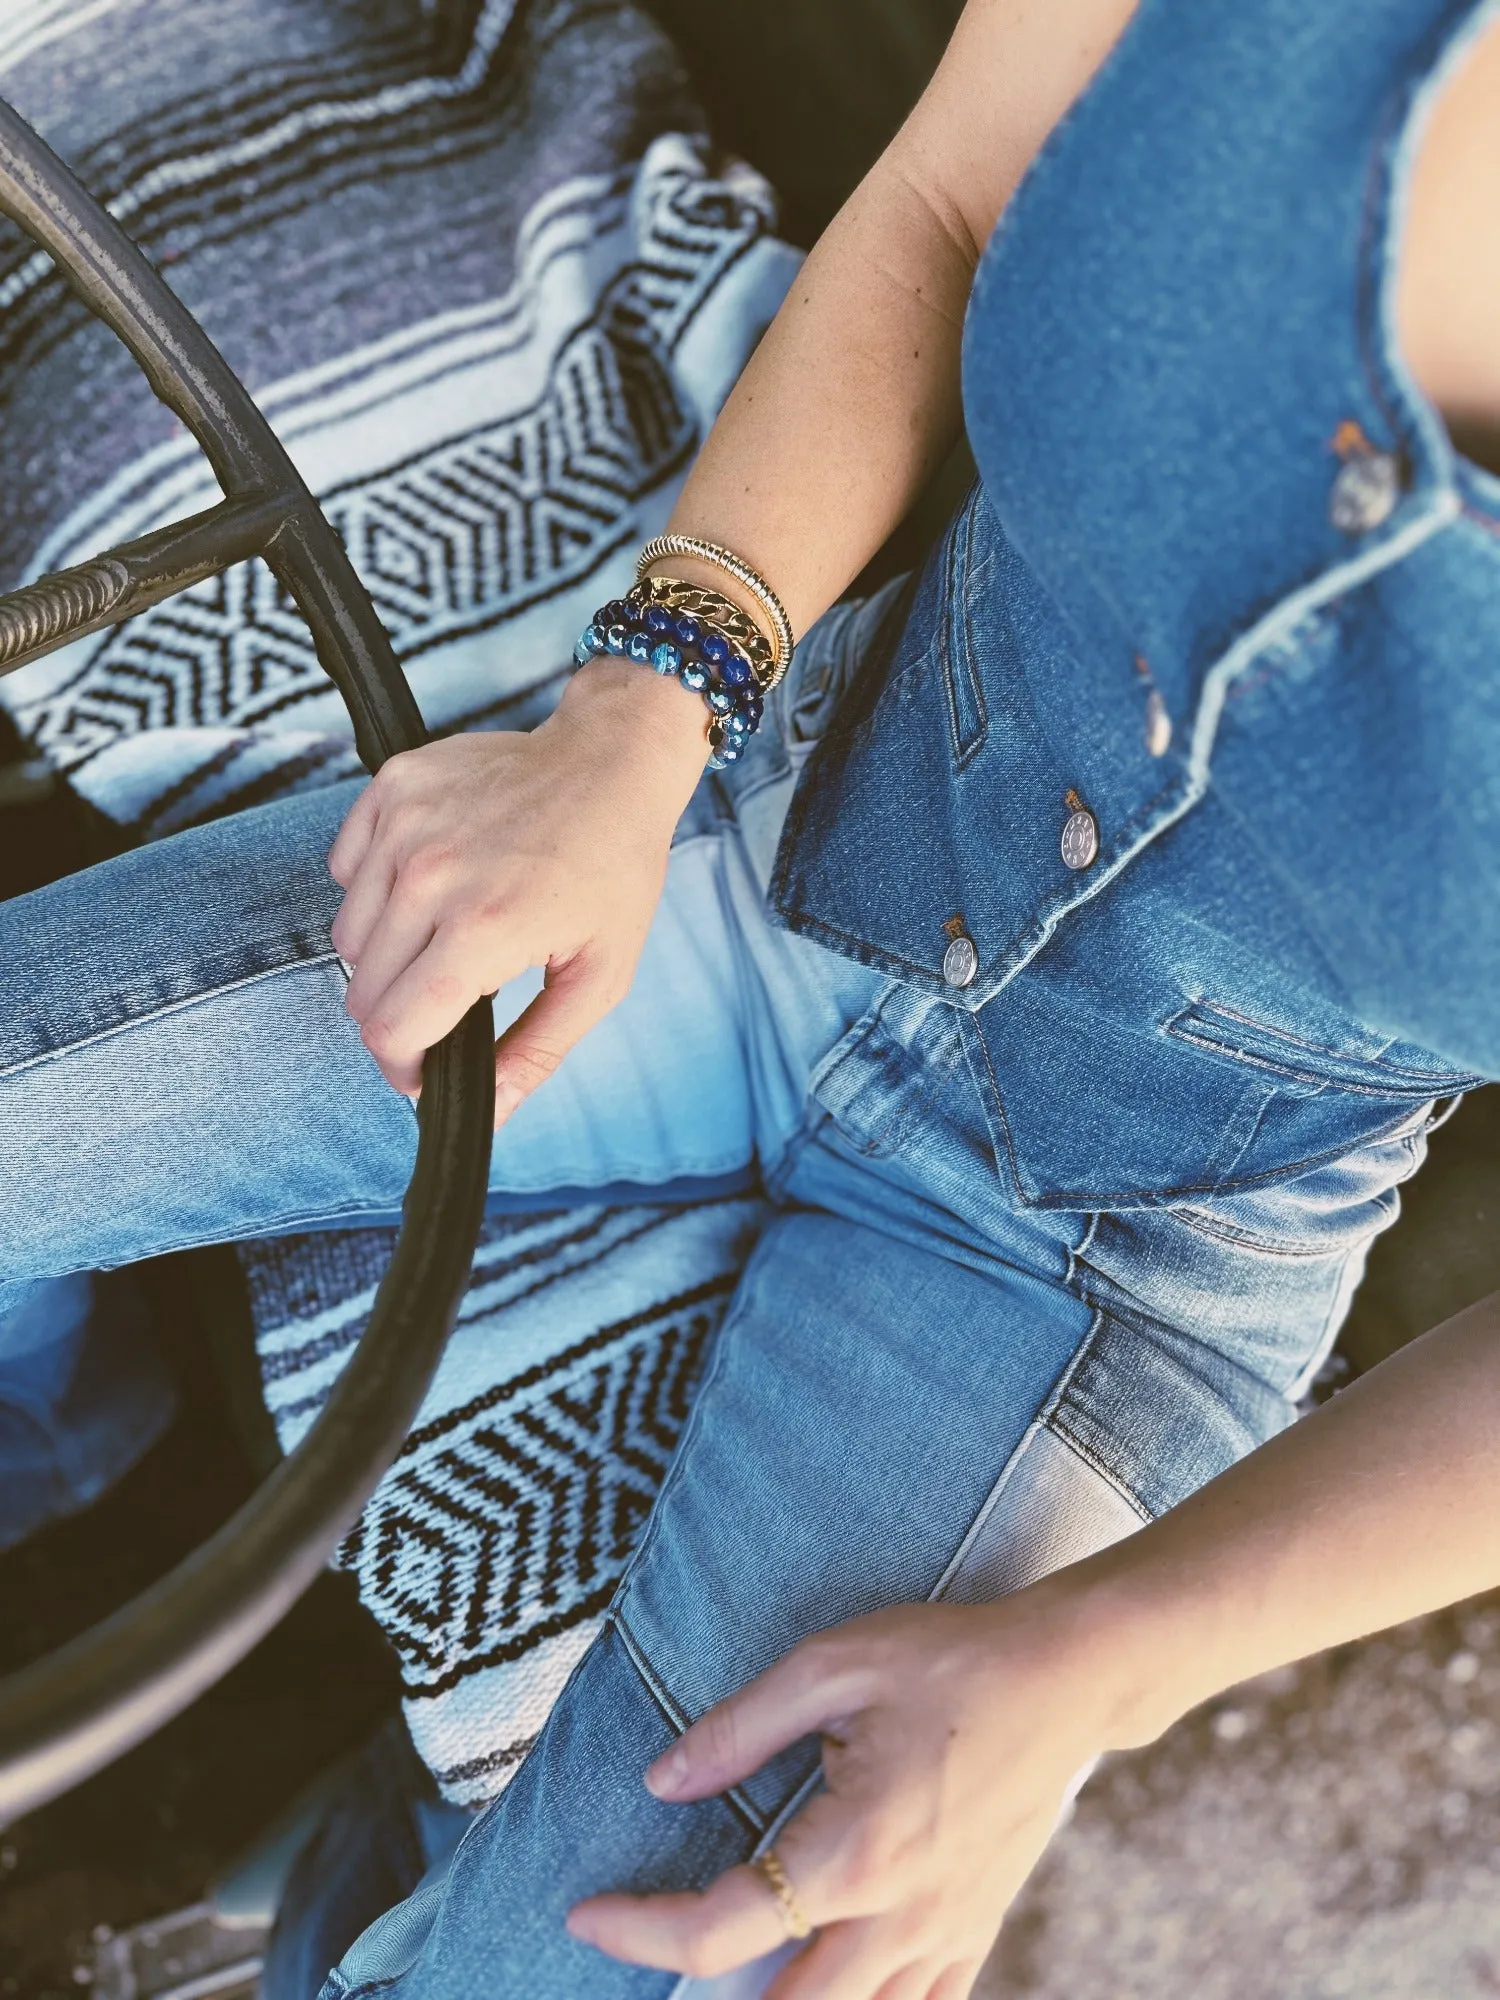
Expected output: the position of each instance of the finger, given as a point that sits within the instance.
(352, 841)
(815, 1685)
(578, 993)
(739, 1917)
(736, 1919)
(405, 930)
(366, 896)
(425, 999)
(852, 1961)
(957, 1983)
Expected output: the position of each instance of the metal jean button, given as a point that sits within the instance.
(961, 961)
(1365, 492)
(1080, 839)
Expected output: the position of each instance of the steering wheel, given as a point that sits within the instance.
(65, 1716)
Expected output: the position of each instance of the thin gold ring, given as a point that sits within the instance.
(768, 1867)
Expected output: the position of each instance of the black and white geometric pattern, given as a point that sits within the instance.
(457, 537)
(492, 1547)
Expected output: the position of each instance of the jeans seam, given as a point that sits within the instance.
(673, 1712)
(163, 1010)
(1040, 1422)
(1107, 1473)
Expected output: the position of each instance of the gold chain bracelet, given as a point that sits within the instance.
(718, 611)
(664, 546)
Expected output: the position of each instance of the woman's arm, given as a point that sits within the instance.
(469, 861)
(950, 1734)
(851, 401)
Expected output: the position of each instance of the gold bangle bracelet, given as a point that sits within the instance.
(751, 579)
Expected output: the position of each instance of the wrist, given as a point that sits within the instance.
(652, 720)
(1122, 1632)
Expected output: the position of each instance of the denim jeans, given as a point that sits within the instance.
(926, 1386)
(84, 1391)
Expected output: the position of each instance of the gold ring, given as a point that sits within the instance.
(768, 1867)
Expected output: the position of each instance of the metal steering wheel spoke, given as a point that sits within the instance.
(70, 603)
(66, 1716)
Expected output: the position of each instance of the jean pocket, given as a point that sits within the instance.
(1306, 1067)
(1096, 1107)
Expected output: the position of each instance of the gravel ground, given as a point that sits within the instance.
(1330, 1830)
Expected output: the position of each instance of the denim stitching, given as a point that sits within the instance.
(950, 640)
(1158, 1198)
(165, 1008)
(1399, 1073)
(672, 1711)
(1203, 1222)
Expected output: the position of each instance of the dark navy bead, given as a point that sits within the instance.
(714, 647)
(689, 631)
(719, 699)
(695, 676)
(735, 672)
(638, 647)
(738, 725)
(616, 639)
(658, 620)
(753, 705)
(616, 612)
(665, 657)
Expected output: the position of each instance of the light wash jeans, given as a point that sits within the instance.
(923, 1388)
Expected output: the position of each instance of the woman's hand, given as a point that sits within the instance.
(951, 1736)
(474, 858)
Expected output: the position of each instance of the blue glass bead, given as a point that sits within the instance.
(738, 725)
(659, 620)
(665, 657)
(689, 631)
(735, 672)
(590, 642)
(695, 676)
(638, 647)
(729, 752)
(616, 639)
(719, 699)
(714, 647)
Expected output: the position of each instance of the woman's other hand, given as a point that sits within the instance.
(951, 1737)
(472, 859)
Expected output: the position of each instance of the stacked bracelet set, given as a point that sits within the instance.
(699, 637)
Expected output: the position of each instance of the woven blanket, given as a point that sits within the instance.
(483, 270)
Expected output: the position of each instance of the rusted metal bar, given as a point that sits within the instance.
(70, 603)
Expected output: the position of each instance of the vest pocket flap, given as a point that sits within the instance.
(1305, 1067)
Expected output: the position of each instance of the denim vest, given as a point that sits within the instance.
(1225, 600)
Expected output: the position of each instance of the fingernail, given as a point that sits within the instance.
(668, 1774)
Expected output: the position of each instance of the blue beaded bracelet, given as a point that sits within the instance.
(674, 643)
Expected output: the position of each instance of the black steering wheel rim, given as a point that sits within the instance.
(68, 1715)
